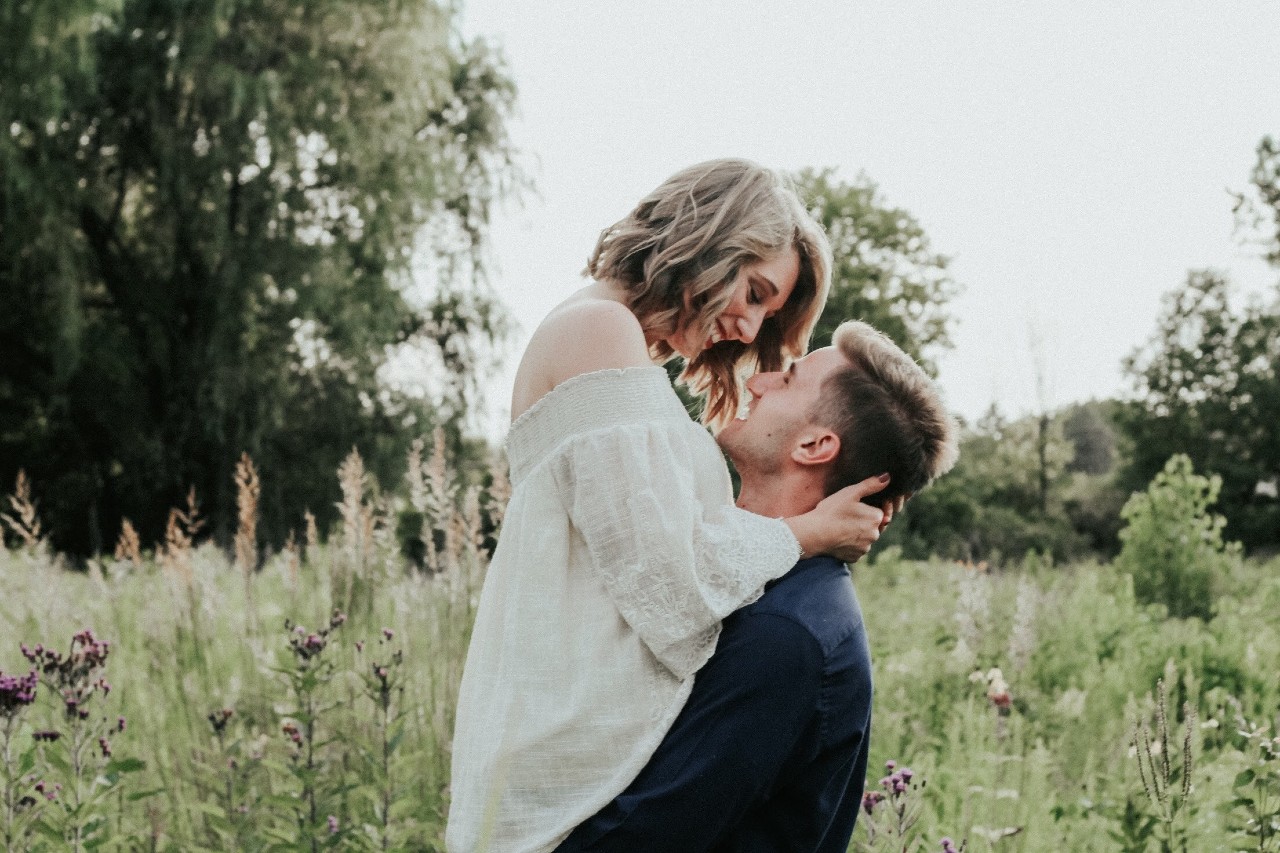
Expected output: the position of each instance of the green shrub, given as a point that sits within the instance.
(1172, 545)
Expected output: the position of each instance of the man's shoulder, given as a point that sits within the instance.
(818, 600)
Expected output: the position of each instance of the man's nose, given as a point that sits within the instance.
(762, 382)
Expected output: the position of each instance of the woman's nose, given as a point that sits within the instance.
(748, 326)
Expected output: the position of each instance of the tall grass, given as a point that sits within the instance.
(207, 670)
(304, 699)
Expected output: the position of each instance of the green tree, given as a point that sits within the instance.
(1207, 387)
(885, 271)
(1006, 496)
(1173, 544)
(208, 216)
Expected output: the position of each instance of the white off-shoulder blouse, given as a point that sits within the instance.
(620, 552)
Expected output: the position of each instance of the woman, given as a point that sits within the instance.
(621, 549)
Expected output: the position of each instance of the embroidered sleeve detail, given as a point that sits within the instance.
(653, 505)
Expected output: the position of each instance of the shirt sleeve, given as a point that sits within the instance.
(674, 553)
(752, 708)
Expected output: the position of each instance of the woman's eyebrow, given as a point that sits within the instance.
(772, 286)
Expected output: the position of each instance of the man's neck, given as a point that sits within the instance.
(779, 496)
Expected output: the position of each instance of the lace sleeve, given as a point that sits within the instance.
(652, 504)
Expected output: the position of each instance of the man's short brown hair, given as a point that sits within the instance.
(888, 415)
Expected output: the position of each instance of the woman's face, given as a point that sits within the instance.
(759, 291)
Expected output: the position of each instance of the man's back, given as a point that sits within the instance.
(770, 751)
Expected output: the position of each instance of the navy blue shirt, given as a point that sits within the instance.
(770, 752)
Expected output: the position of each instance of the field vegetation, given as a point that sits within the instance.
(191, 698)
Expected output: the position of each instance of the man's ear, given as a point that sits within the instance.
(815, 446)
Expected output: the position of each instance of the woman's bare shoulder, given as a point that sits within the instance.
(581, 335)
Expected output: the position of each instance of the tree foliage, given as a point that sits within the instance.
(885, 271)
(1207, 386)
(208, 214)
(991, 505)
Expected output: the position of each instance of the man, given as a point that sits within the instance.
(770, 751)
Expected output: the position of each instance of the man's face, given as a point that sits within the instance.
(781, 408)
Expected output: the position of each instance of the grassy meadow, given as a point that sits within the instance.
(304, 701)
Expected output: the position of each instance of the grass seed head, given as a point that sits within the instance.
(248, 492)
(128, 546)
(23, 521)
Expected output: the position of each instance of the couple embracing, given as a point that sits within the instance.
(654, 666)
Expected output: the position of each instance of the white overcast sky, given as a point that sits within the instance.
(1074, 159)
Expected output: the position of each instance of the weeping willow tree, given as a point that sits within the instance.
(211, 212)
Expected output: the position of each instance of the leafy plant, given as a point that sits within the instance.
(1172, 544)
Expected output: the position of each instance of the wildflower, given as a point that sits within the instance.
(870, 800)
(47, 790)
(337, 619)
(998, 690)
(388, 634)
(359, 646)
(218, 719)
(292, 732)
(309, 644)
(48, 736)
(105, 746)
(16, 692)
(120, 724)
(333, 825)
(896, 782)
(949, 846)
(77, 675)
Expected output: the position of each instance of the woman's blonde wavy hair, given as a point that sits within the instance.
(678, 252)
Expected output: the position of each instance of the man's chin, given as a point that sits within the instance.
(730, 439)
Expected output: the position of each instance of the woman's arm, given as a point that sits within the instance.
(842, 525)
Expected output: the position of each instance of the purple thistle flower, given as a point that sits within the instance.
(16, 692)
(218, 719)
(948, 846)
(388, 634)
(870, 800)
(333, 825)
(48, 736)
(105, 746)
(120, 722)
(890, 764)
